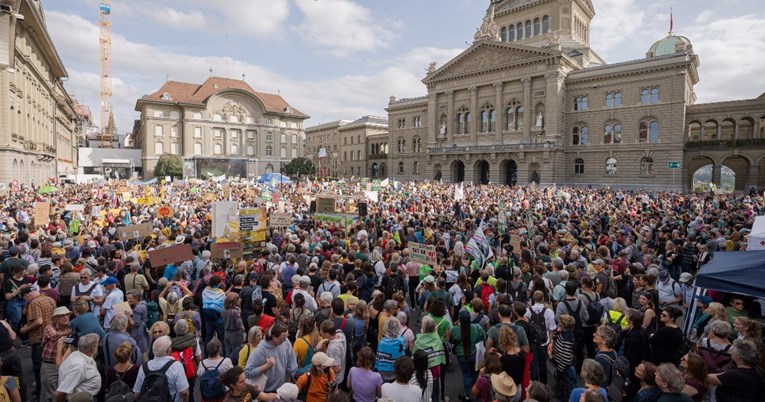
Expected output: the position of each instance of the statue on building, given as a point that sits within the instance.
(553, 38)
(489, 29)
(442, 131)
(432, 67)
(540, 120)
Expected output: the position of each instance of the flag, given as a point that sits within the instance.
(384, 183)
(478, 246)
(459, 192)
(671, 21)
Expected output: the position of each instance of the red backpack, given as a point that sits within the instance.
(484, 291)
(186, 357)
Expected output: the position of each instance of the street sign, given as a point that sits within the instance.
(673, 165)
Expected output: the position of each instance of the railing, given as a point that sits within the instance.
(755, 142)
(377, 156)
(538, 146)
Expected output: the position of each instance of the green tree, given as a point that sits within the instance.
(299, 166)
(169, 165)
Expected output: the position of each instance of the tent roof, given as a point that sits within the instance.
(736, 271)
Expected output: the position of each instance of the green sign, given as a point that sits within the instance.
(673, 165)
(376, 185)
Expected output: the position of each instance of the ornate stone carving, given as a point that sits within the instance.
(432, 67)
(485, 57)
(488, 29)
(553, 38)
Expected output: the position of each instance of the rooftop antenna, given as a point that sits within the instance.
(242, 76)
(671, 22)
(211, 71)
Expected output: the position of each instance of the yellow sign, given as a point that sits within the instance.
(147, 200)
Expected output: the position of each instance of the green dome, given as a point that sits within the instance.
(670, 45)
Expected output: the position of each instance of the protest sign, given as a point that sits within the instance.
(422, 253)
(225, 219)
(226, 250)
(165, 211)
(325, 205)
(169, 255)
(42, 213)
(280, 220)
(138, 231)
(74, 207)
(251, 219)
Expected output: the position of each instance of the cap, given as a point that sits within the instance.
(110, 280)
(287, 391)
(253, 276)
(663, 275)
(429, 279)
(321, 359)
(464, 316)
(685, 277)
(705, 300)
(61, 311)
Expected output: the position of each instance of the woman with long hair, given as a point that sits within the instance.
(748, 328)
(124, 369)
(306, 343)
(648, 391)
(464, 337)
(513, 358)
(362, 381)
(482, 388)
(375, 308)
(695, 370)
(422, 377)
(298, 313)
(650, 319)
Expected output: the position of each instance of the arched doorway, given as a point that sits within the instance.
(437, 174)
(737, 176)
(458, 172)
(375, 171)
(534, 175)
(481, 172)
(509, 172)
(383, 170)
(704, 176)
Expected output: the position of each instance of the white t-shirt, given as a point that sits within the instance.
(97, 291)
(114, 297)
(401, 392)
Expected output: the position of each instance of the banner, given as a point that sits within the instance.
(422, 253)
(252, 219)
(372, 195)
(478, 246)
(340, 219)
(74, 207)
(459, 192)
(225, 219)
(325, 205)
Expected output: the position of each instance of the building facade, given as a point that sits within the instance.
(531, 101)
(35, 118)
(322, 147)
(342, 148)
(65, 126)
(354, 160)
(219, 127)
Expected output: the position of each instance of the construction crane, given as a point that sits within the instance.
(105, 63)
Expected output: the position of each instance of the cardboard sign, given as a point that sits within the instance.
(232, 249)
(134, 231)
(74, 207)
(169, 255)
(325, 205)
(422, 253)
(165, 211)
(42, 213)
(280, 220)
(123, 308)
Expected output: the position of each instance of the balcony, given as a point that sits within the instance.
(540, 146)
(377, 156)
(726, 144)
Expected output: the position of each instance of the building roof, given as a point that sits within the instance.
(184, 92)
(670, 45)
(368, 119)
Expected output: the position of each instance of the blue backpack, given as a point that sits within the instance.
(210, 386)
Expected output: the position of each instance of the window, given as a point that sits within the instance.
(401, 123)
(646, 166)
(511, 33)
(294, 153)
(401, 167)
(519, 30)
(234, 149)
(612, 133)
(197, 148)
(217, 149)
(269, 168)
(488, 119)
(654, 96)
(197, 116)
(159, 148)
(358, 155)
(353, 156)
(580, 103)
(174, 148)
(503, 34)
(527, 31)
(417, 144)
(579, 166)
(613, 100)
(217, 117)
(417, 121)
(283, 138)
(649, 96)
(250, 150)
(269, 150)
(416, 167)
(514, 116)
(269, 136)
(158, 130)
(159, 113)
(233, 119)
(197, 132)
(537, 27)
(283, 152)
(401, 146)
(580, 135)
(174, 115)
(648, 131)
(250, 134)
(611, 166)
(351, 140)
(294, 138)
(173, 131)
(345, 155)
(545, 24)
(217, 132)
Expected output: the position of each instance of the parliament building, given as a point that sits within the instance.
(531, 101)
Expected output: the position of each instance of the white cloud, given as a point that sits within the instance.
(343, 26)
(260, 18)
(177, 19)
(616, 22)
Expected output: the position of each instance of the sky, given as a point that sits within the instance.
(342, 59)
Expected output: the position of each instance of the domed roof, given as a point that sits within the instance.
(670, 45)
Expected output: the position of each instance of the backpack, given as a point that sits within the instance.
(616, 325)
(575, 314)
(478, 318)
(209, 385)
(620, 377)
(594, 309)
(234, 356)
(485, 293)
(153, 309)
(119, 391)
(716, 360)
(537, 328)
(186, 357)
(308, 356)
(518, 293)
(155, 387)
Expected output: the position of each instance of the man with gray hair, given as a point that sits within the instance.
(745, 382)
(115, 337)
(178, 385)
(79, 372)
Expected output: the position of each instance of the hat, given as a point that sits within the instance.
(288, 390)
(429, 279)
(110, 280)
(305, 280)
(503, 384)
(253, 276)
(321, 359)
(68, 243)
(705, 300)
(464, 316)
(180, 239)
(598, 262)
(294, 238)
(91, 244)
(61, 311)
(25, 291)
(685, 277)
(663, 275)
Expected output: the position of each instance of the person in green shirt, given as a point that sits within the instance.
(464, 337)
(429, 341)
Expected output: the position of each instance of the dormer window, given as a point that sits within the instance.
(166, 96)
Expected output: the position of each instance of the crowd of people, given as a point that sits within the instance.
(535, 294)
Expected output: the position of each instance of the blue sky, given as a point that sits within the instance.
(341, 59)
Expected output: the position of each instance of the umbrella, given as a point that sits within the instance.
(48, 189)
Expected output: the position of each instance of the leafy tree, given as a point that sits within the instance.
(169, 165)
(299, 166)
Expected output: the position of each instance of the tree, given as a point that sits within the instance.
(299, 166)
(169, 165)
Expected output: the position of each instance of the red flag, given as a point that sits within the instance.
(671, 21)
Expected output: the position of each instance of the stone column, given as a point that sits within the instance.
(474, 114)
(449, 118)
(752, 177)
(498, 106)
(527, 107)
(719, 131)
(553, 105)
(432, 125)
(717, 175)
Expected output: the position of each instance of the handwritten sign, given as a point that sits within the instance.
(138, 231)
(226, 250)
(280, 220)
(169, 255)
(422, 253)
(325, 205)
(42, 213)
(74, 207)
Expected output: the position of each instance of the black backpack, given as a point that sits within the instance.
(119, 391)
(537, 329)
(155, 387)
(594, 310)
(576, 315)
(518, 293)
(210, 386)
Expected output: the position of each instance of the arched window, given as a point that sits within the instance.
(358, 155)
(217, 149)
(654, 95)
(519, 31)
(250, 150)
(527, 30)
(283, 152)
(492, 120)
(234, 149)
(537, 27)
(579, 166)
(503, 34)
(511, 33)
(545, 24)
(519, 118)
(618, 99)
(197, 148)
(401, 167)
(458, 121)
(484, 121)
(611, 166)
(159, 148)
(653, 131)
(581, 103)
(584, 137)
(608, 133)
(269, 150)
(609, 100)
(575, 138)
(468, 118)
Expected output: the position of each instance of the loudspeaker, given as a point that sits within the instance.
(312, 207)
(362, 209)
